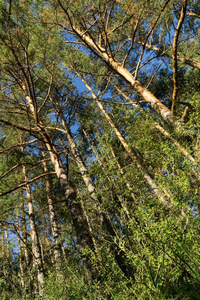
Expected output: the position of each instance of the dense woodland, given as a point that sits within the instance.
(99, 149)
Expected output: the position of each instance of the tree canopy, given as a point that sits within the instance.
(99, 149)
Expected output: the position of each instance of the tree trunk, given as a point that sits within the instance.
(37, 259)
(54, 225)
(80, 224)
(155, 189)
(160, 128)
(81, 165)
(119, 256)
(21, 266)
(81, 227)
(113, 179)
(24, 237)
(119, 69)
(3, 252)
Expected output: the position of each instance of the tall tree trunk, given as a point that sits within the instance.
(162, 195)
(81, 227)
(119, 254)
(24, 236)
(160, 128)
(81, 165)
(54, 224)
(174, 56)
(21, 266)
(120, 70)
(7, 245)
(109, 179)
(37, 259)
(3, 251)
(64, 254)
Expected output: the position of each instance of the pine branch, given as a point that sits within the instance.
(22, 164)
(27, 182)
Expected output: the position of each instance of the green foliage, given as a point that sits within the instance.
(140, 247)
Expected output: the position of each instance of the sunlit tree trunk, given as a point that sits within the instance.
(7, 245)
(81, 165)
(109, 179)
(79, 223)
(160, 128)
(154, 187)
(21, 266)
(119, 69)
(54, 224)
(24, 236)
(119, 256)
(36, 250)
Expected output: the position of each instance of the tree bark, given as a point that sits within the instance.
(81, 227)
(174, 56)
(24, 237)
(82, 167)
(54, 225)
(37, 259)
(162, 195)
(119, 69)
(3, 251)
(160, 128)
(21, 266)
(119, 254)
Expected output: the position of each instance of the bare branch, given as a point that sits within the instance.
(132, 39)
(48, 92)
(174, 55)
(17, 145)
(22, 164)
(6, 122)
(27, 182)
(148, 34)
(13, 226)
(151, 78)
(193, 14)
(109, 14)
(166, 53)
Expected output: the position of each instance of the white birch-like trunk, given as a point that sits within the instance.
(24, 237)
(54, 225)
(161, 129)
(119, 69)
(37, 259)
(81, 165)
(111, 180)
(147, 177)
(80, 224)
(21, 267)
